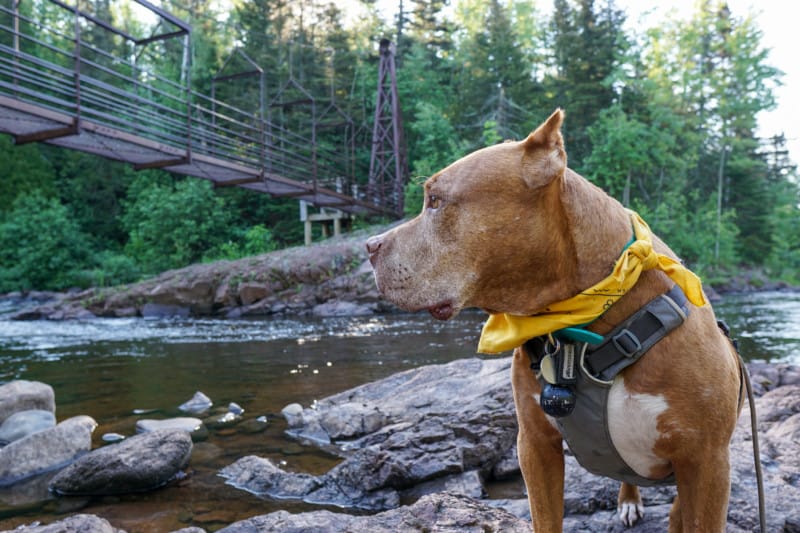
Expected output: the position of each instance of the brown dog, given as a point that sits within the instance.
(510, 229)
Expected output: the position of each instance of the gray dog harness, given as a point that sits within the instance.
(589, 372)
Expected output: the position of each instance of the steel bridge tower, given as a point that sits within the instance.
(388, 166)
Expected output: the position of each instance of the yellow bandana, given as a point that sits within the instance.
(505, 332)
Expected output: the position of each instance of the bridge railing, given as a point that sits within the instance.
(58, 64)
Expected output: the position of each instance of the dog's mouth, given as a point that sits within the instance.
(442, 311)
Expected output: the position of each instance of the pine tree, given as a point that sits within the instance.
(585, 42)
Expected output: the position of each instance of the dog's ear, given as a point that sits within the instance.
(544, 159)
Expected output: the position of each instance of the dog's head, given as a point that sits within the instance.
(487, 234)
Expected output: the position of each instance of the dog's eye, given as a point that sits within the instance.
(434, 202)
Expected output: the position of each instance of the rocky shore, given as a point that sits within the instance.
(331, 278)
(418, 449)
(326, 279)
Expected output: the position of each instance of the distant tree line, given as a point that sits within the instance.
(663, 118)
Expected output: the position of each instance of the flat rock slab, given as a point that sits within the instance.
(140, 463)
(23, 395)
(443, 513)
(46, 450)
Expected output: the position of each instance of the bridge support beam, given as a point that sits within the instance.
(388, 168)
(326, 217)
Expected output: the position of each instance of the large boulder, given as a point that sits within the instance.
(439, 512)
(140, 463)
(22, 395)
(46, 450)
(429, 423)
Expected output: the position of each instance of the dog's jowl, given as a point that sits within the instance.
(615, 348)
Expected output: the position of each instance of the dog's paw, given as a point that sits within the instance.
(630, 512)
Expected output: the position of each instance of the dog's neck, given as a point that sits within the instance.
(598, 225)
(600, 228)
(587, 238)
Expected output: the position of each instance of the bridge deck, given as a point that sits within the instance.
(58, 89)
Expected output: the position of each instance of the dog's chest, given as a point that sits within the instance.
(633, 426)
(612, 432)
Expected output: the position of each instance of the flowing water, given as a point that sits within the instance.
(112, 368)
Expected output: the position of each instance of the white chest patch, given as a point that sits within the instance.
(632, 424)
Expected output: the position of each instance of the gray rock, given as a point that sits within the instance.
(125, 312)
(235, 408)
(22, 395)
(466, 484)
(507, 466)
(30, 491)
(405, 430)
(340, 308)
(293, 413)
(46, 450)
(199, 403)
(253, 425)
(153, 310)
(222, 420)
(350, 420)
(79, 523)
(183, 423)
(261, 476)
(24, 423)
(141, 463)
(442, 513)
(112, 437)
(518, 507)
(251, 292)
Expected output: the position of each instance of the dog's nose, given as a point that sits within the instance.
(373, 245)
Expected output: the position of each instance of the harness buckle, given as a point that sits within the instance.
(627, 343)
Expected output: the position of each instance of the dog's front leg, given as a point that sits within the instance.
(629, 504)
(540, 449)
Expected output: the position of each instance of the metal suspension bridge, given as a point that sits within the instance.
(59, 87)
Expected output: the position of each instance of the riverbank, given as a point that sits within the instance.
(418, 448)
(331, 278)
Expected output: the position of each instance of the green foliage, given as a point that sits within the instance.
(490, 133)
(172, 226)
(25, 169)
(112, 268)
(414, 197)
(633, 158)
(783, 259)
(41, 246)
(587, 41)
(693, 231)
(256, 240)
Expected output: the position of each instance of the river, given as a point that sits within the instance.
(111, 369)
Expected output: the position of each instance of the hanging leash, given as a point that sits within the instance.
(762, 511)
